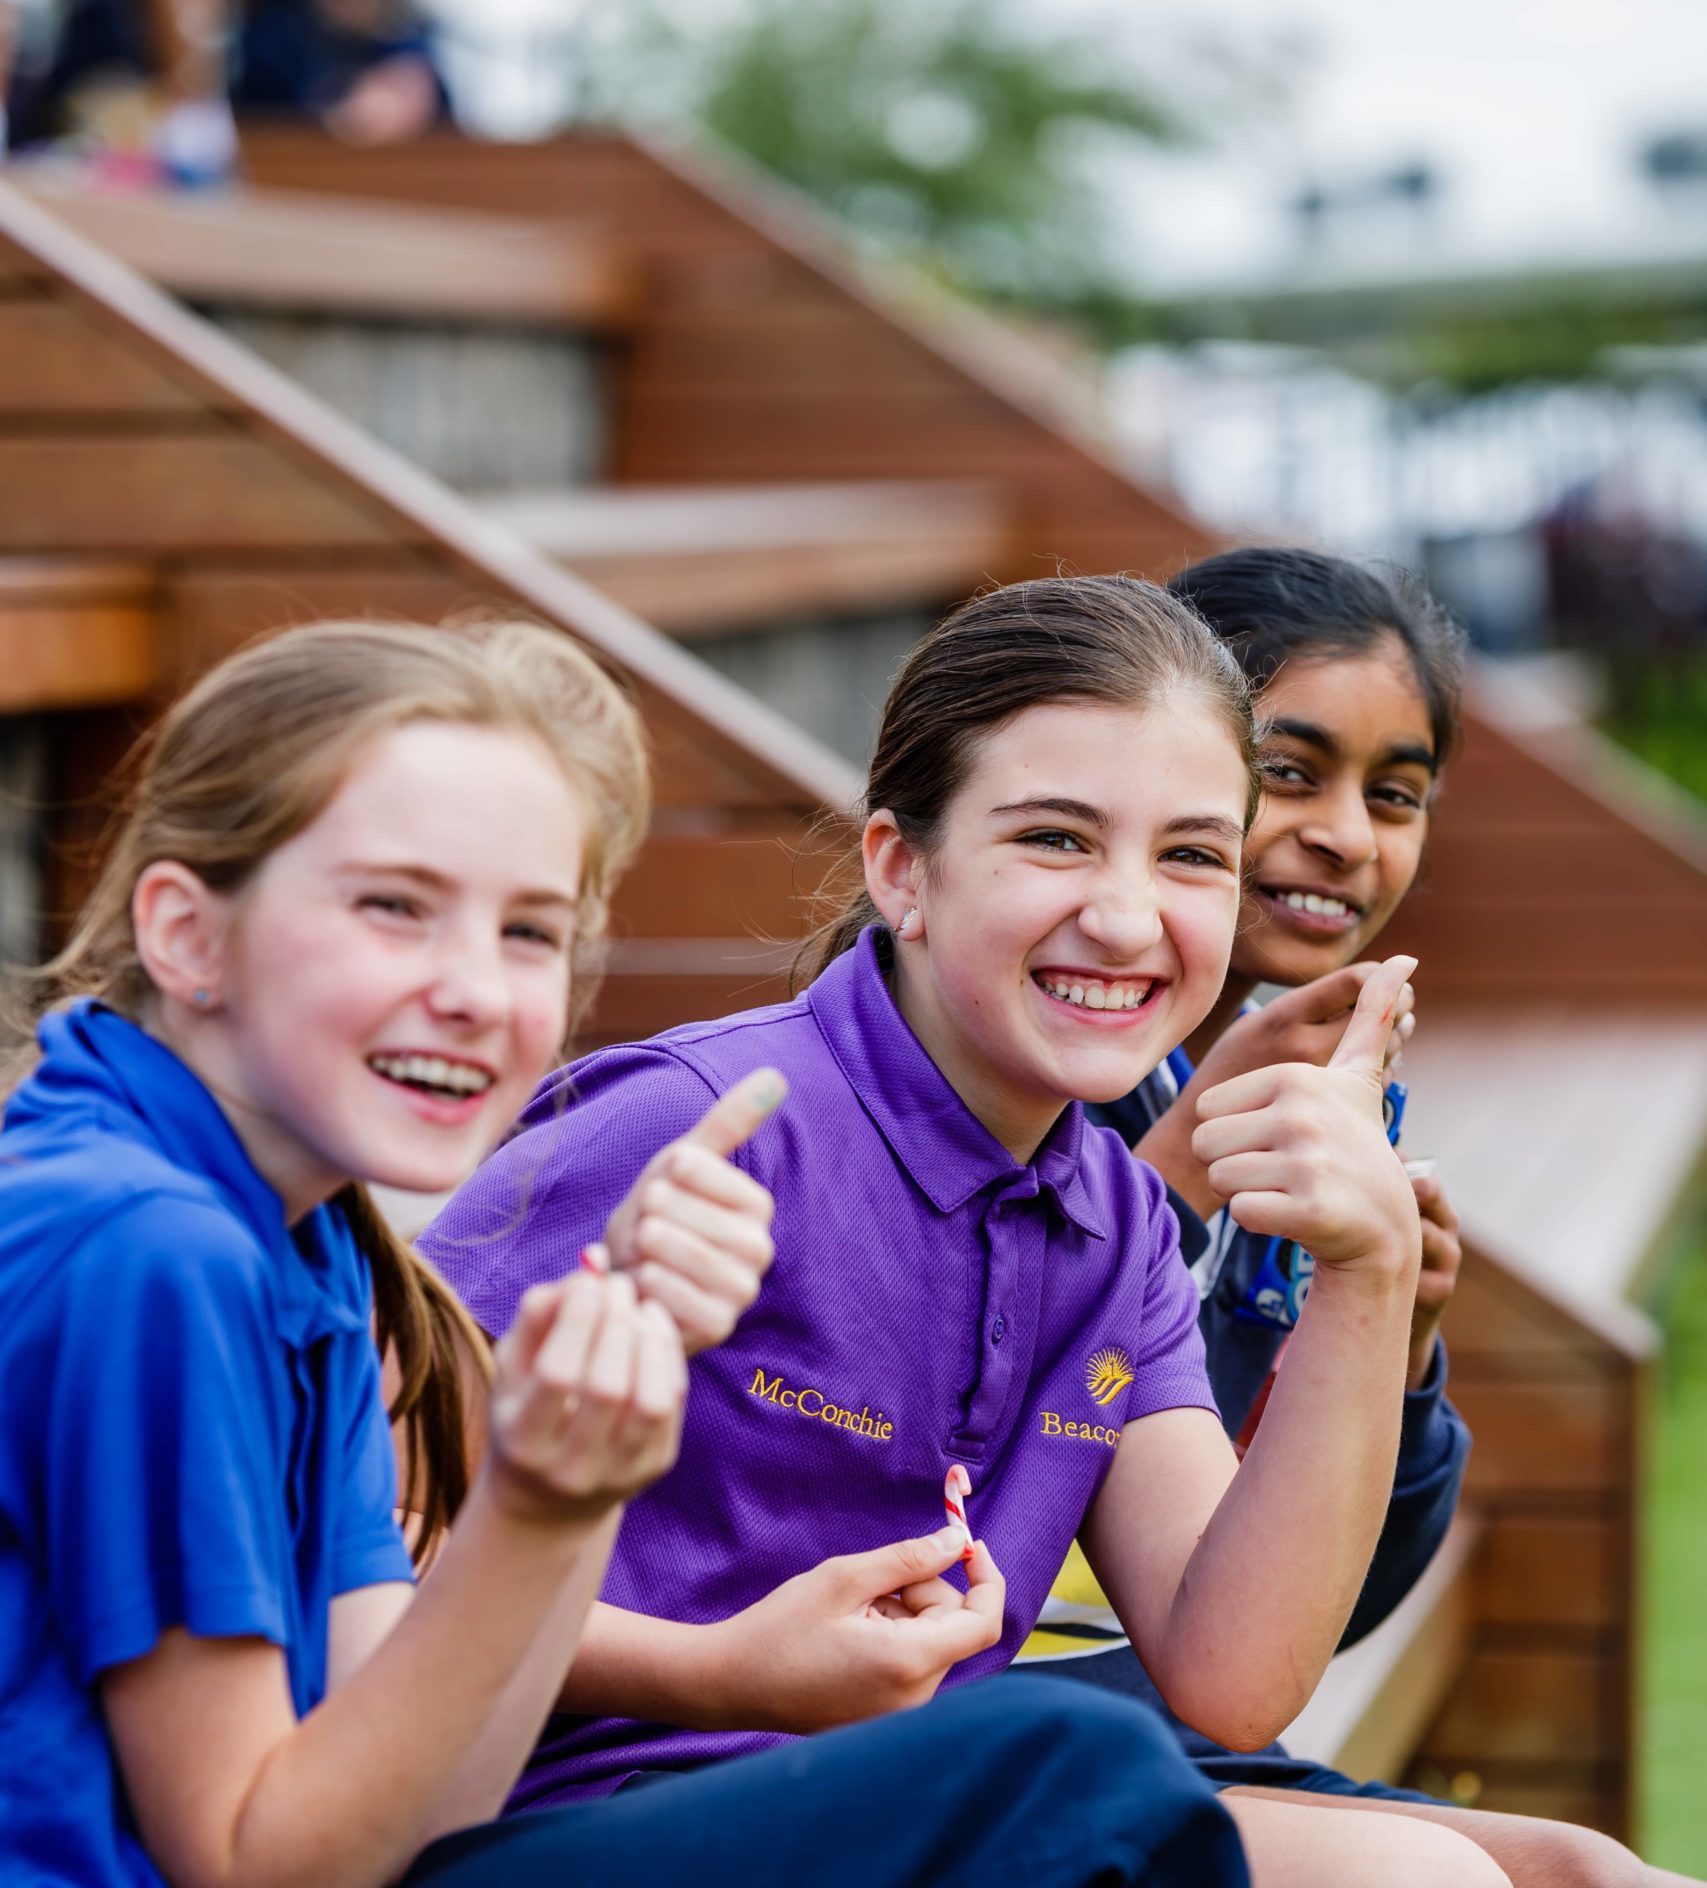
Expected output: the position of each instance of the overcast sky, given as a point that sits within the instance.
(1530, 110)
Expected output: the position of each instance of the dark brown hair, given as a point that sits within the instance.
(1270, 605)
(248, 759)
(1115, 640)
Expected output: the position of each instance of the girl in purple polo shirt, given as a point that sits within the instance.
(332, 945)
(967, 1273)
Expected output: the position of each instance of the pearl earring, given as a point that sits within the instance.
(912, 912)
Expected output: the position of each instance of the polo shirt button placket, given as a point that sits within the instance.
(1012, 1216)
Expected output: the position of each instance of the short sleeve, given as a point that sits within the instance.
(162, 1478)
(523, 1218)
(368, 1548)
(1171, 1369)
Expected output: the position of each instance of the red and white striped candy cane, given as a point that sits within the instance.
(957, 1485)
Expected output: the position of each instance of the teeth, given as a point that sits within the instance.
(432, 1071)
(1311, 901)
(1098, 996)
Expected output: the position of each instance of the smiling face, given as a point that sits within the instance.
(394, 980)
(1348, 768)
(1076, 910)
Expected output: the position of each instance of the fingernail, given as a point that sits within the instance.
(947, 1537)
(769, 1092)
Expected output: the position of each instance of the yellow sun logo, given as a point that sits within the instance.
(1106, 1375)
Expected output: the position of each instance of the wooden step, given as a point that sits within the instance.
(277, 249)
(704, 560)
(74, 634)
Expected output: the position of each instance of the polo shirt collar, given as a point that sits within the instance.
(947, 1151)
(93, 1054)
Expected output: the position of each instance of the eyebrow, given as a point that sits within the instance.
(425, 876)
(1401, 753)
(1217, 824)
(1068, 809)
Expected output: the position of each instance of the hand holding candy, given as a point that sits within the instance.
(859, 1635)
(695, 1230)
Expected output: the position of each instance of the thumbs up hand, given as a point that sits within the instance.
(694, 1230)
(1302, 1151)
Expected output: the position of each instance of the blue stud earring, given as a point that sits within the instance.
(203, 998)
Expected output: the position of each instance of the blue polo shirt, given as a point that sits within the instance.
(932, 1301)
(191, 1426)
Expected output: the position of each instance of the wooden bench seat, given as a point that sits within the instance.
(278, 249)
(1379, 1696)
(75, 634)
(701, 560)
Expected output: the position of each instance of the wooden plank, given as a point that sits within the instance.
(1580, 1196)
(1487, 1322)
(265, 248)
(217, 490)
(212, 610)
(1529, 1707)
(74, 655)
(630, 1008)
(703, 560)
(715, 593)
(849, 434)
(1587, 1794)
(1508, 860)
(54, 360)
(18, 269)
(752, 882)
(1569, 1437)
(1552, 1570)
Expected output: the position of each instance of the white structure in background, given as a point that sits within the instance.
(1278, 442)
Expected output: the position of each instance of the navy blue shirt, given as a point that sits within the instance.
(192, 1431)
(1434, 1443)
(1434, 1446)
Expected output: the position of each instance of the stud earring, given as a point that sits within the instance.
(907, 920)
(203, 998)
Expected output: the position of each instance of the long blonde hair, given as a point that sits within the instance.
(248, 759)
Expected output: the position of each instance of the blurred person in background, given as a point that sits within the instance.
(148, 87)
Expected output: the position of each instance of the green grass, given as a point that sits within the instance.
(1673, 1724)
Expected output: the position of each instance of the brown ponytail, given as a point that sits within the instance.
(420, 1322)
(246, 761)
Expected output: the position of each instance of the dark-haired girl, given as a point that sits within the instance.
(968, 1273)
(1357, 676)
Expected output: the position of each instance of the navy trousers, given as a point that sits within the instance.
(1026, 1784)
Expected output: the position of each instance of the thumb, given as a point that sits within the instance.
(737, 1116)
(1363, 1047)
(887, 1569)
(1324, 998)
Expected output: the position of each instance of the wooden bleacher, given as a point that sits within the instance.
(786, 439)
(168, 496)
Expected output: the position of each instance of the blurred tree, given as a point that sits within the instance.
(974, 141)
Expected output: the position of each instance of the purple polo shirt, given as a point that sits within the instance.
(931, 1302)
